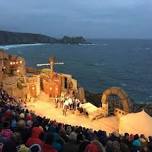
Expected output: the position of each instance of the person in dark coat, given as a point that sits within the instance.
(47, 147)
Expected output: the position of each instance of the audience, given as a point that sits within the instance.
(23, 131)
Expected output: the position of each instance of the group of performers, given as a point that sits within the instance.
(67, 102)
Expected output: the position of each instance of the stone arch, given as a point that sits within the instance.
(124, 99)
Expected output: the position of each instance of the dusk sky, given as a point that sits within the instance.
(89, 18)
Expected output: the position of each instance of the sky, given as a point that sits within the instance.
(88, 18)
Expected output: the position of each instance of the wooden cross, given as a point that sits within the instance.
(51, 63)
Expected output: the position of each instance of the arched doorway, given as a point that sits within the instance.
(114, 102)
(113, 98)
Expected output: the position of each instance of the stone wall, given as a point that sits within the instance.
(33, 85)
(10, 84)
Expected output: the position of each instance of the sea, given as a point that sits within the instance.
(125, 63)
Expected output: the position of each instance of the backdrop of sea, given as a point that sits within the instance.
(125, 63)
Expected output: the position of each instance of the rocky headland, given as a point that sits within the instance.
(7, 38)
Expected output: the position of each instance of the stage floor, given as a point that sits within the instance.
(44, 106)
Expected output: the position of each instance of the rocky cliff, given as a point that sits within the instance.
(28, 38)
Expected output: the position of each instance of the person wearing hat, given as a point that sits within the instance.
(34, 139)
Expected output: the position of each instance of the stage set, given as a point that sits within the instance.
(49, 93)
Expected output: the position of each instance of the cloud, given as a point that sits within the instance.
(92, 18)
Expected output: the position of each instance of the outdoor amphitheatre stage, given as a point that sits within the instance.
(39, 88)
(44, 106)
(45, 84)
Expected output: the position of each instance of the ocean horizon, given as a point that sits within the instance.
(124, 63)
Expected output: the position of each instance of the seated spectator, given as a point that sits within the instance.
(68, 130)
(28, 116)
(80, 138)
(58, 142)
(63, 133)
(143, 140)
(35, 137)
(71, 145)
(83, 145)
(11, 144)
(136, 143)
(94, 146)
(29, 123)
(73, 137)
(47, 147)
(116, 146)
(102, 137)
(23, 130)
(13, 124)
(6, 131)
(22, 116)
(124, 147)
(18, 126)
(8, 114)
(109, 146)
(149, 147)
(125, 139)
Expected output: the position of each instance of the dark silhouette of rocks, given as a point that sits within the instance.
(30, 38)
